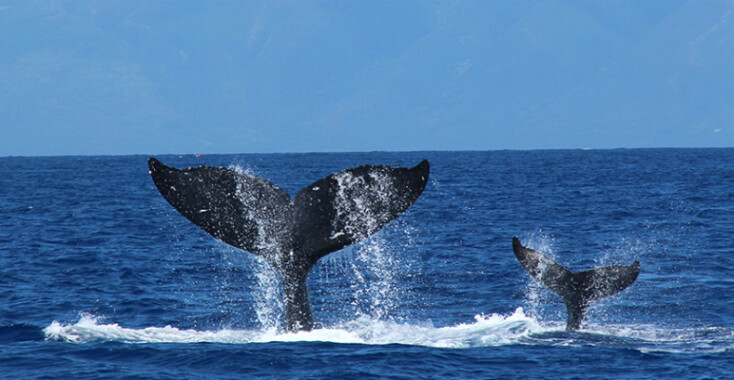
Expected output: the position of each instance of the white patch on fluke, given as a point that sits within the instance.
(360, 208)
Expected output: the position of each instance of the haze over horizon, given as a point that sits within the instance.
(138, 77)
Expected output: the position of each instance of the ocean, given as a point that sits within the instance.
(101, 278)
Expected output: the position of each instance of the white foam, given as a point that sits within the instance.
(484, 331)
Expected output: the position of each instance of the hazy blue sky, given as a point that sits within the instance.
(128, 77)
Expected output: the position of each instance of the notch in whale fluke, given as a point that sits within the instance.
(577, 289)
(250, 213)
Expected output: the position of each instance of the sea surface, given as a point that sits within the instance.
(101, 278)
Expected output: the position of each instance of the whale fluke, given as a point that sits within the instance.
(577, 289)
(250, 213)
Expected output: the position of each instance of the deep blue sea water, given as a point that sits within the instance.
(101, 278)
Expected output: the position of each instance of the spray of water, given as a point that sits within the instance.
(623, 254)
(373, 270)
(267, 295)
(537, 296)
(485, 331)
(376, 265)
(544, 304)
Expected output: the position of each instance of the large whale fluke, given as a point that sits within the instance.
(253, 214)
(577, 289)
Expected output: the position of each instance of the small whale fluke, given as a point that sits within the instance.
(577, 289)
(253, 214)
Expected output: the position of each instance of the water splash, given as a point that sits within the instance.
(485, 331)
(267, 295)
(537, 296)
(375, 265)
(374, 270)
(624, 253)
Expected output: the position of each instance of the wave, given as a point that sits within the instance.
(485, 331)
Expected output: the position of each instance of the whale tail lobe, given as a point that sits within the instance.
(577, 289)
(250, 213)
